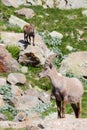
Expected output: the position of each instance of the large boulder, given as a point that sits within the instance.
(13, 20)
(11, 38)
(34, 55)
(63, 4)
(7, 63)
(34, 2)
(13, 3)
(75, 63)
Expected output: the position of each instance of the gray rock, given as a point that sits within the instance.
(26, 102)
(56, 34)
(12, 39)
(2, 81)
(3, 117)
(21, 116)
(14, 3)
(75, 63)
(70, 4)
(2, 103)
(34, 55)
(63, 4)
(13, 20)
(44, 97)
(84, 12)
(16, 91)
(24, 69)
(32, 92)
(14, 78)
(34, 2)
(28, 13)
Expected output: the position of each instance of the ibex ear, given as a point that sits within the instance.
(50, 66)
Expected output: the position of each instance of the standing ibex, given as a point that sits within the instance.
(65, 90)
(28, 33)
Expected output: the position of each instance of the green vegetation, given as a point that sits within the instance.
(14, 50)
(7, 109)
(68, 23)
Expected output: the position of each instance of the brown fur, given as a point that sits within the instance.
(65, 90)
(28, 33)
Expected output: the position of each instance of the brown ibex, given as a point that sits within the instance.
(65, 90)
(28, 33)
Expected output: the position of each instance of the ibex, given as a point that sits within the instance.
(65, 90)
(28, 33)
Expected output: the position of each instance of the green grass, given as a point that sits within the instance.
(14, 50)
(34, 80)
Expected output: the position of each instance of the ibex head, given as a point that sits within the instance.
(47, 66)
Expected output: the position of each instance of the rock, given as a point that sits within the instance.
(34, 2)
(28, 13)
(21, 116)
(3, 117)
(24, 69)
(12, 39)
(13, 101)
(10, 3)
(31, 128)
(14, 3)
(70, 48)
(1, 101)
(49, 3)
(26, 102)
(13, 20)
(16, 91)
(44, 97)
(84, 12)
(2, 81)
(56, 35)
(14, 78)
(75, 63)
(34, 55)
(63, 4)
(32, 92)
(7, 63)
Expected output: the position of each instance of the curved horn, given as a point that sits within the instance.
(49, 59)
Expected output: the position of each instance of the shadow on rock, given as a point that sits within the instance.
(25, 43)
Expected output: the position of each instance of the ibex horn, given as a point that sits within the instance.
(50, 58)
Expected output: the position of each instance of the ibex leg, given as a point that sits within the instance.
(63, 109)
(79, 109)
(58, 108)
(75, 109)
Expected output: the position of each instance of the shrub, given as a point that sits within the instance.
(7, 109)
(53, 43)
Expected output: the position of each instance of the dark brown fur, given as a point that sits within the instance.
(28, 33)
